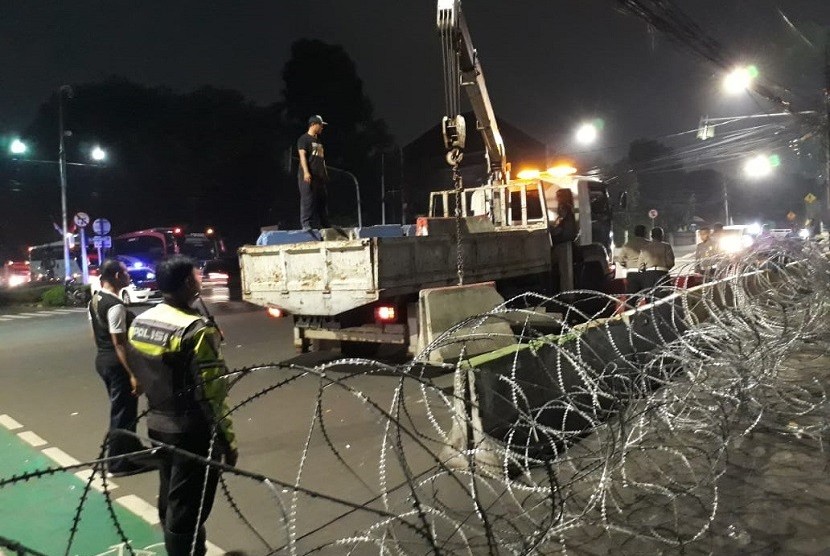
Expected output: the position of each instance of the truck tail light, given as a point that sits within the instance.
(385, 313)
(276, 312)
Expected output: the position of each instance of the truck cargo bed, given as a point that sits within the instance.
(327, 278)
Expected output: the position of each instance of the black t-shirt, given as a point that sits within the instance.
(315, 156)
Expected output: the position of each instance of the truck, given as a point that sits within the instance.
(358, 289)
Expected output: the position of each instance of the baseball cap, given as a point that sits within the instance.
(318, 119)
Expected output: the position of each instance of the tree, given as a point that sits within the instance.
(322, 79)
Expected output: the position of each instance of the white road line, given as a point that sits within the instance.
(60, 457)
(9, 423)
(15, 317)
(41, 314)
(139, 507)
(1, 320)
(97, 482)
(31, 438)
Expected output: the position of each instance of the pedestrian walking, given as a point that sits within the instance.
(180, 363)
(628, 258)
(655, 261)
(313, 176)
(110, 320)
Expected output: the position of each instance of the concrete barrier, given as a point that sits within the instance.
(439, 309)
(557, 383)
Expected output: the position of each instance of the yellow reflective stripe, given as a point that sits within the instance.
(212, 370)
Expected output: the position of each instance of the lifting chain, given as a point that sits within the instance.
(458, 185)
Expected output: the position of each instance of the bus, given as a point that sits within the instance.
(144, 248)
(46, 260)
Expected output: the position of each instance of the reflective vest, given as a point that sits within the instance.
(180, 366)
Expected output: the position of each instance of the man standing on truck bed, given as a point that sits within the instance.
(312, 176)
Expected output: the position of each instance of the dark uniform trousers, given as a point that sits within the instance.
(123, 408)
(656, 279)
(181, 483)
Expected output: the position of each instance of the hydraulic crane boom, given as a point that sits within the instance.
(463, 69)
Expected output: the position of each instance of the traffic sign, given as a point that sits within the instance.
(791, 216)
(652, 214)
(81, 219)
(810, 198)
(102, 242)
(101, 226)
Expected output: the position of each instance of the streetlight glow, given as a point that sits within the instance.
(740, 79)
(18, 147)
(758, 166)
(98, 154)
(587, 133)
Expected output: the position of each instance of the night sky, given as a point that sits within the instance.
(549, 64)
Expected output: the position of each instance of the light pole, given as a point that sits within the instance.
(62, 168)
(356, 190)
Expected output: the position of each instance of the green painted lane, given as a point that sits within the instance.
(38, 514)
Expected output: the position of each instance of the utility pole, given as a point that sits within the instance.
(67, 271)
(827, 131)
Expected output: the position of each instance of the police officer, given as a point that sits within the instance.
(181, 366)
(655, 260)
(110, 320)
(627, 257)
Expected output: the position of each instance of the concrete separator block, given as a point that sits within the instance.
(442, 308)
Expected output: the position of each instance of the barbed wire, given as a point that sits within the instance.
(623, 433)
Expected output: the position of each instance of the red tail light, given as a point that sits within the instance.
(385, 313)
(276, 312)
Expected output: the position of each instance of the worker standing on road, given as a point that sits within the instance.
(628, 257)
(563, 232)
(313, 176)
(655, 260)
(183, 371)
(704, 252)
(110, 320)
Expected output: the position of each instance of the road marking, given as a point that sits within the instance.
(1, 320)
(32, 439)
(60, 457)
(139, 507)
(15, 317)
(132, 503)
(41, 314)
(9, 423)
(97, 482)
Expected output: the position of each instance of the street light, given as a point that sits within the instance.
(18, 147)
(587, 133)
(98, 154)
(760, 166)
(739, 79)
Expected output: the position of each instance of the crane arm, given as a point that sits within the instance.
(465, 70)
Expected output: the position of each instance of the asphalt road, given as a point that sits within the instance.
(49, 385)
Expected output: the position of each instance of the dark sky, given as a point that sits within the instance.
(548, 63)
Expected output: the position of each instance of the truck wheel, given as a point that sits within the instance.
(359, 349)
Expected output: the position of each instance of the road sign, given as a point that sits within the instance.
(810, 198)
(102, 242)
(81, 219)
(652, 214)
(101, 226)
(791, 216)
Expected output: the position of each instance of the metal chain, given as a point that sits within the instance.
(458, 185)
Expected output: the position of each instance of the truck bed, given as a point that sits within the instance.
(326, 278)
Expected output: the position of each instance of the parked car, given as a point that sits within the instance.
(142, 289)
